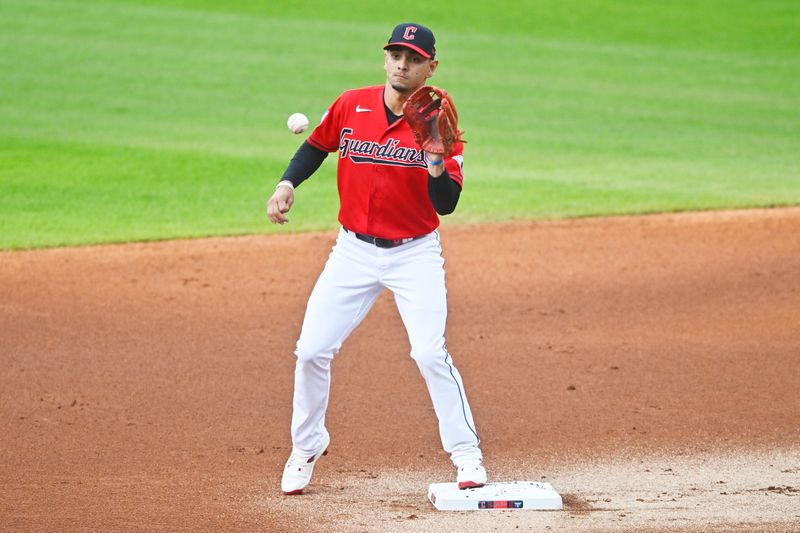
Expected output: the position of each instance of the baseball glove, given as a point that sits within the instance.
(434, 120)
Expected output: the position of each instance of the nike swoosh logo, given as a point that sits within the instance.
(360, 109)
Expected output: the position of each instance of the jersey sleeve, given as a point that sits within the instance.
(326, 135)
(454, 163)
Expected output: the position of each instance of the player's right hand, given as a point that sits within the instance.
(279, 204)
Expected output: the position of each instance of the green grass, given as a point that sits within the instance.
(152, 119)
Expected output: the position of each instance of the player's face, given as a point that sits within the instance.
(407, 70)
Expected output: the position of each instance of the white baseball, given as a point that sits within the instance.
(297, 123)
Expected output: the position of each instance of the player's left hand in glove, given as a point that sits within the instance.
(433, 118)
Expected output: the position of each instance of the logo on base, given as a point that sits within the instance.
(500, 504)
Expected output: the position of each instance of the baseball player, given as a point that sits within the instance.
(391, 192)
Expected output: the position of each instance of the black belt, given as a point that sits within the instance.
(382, 243)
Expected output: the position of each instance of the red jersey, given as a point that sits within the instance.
(382, 174)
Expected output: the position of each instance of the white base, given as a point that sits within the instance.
(524, 495)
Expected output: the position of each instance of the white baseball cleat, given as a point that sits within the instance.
(297, 474)
(471, 474)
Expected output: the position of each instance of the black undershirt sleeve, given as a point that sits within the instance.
(444, 193)
(305, 162)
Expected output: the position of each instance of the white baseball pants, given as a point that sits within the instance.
(355, 274)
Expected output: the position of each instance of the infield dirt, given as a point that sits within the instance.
(647, 367)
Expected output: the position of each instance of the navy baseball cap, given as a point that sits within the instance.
(414, 36)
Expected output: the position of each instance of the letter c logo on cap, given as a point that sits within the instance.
(409, 34)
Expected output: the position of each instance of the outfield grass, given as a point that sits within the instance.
(134, 120)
